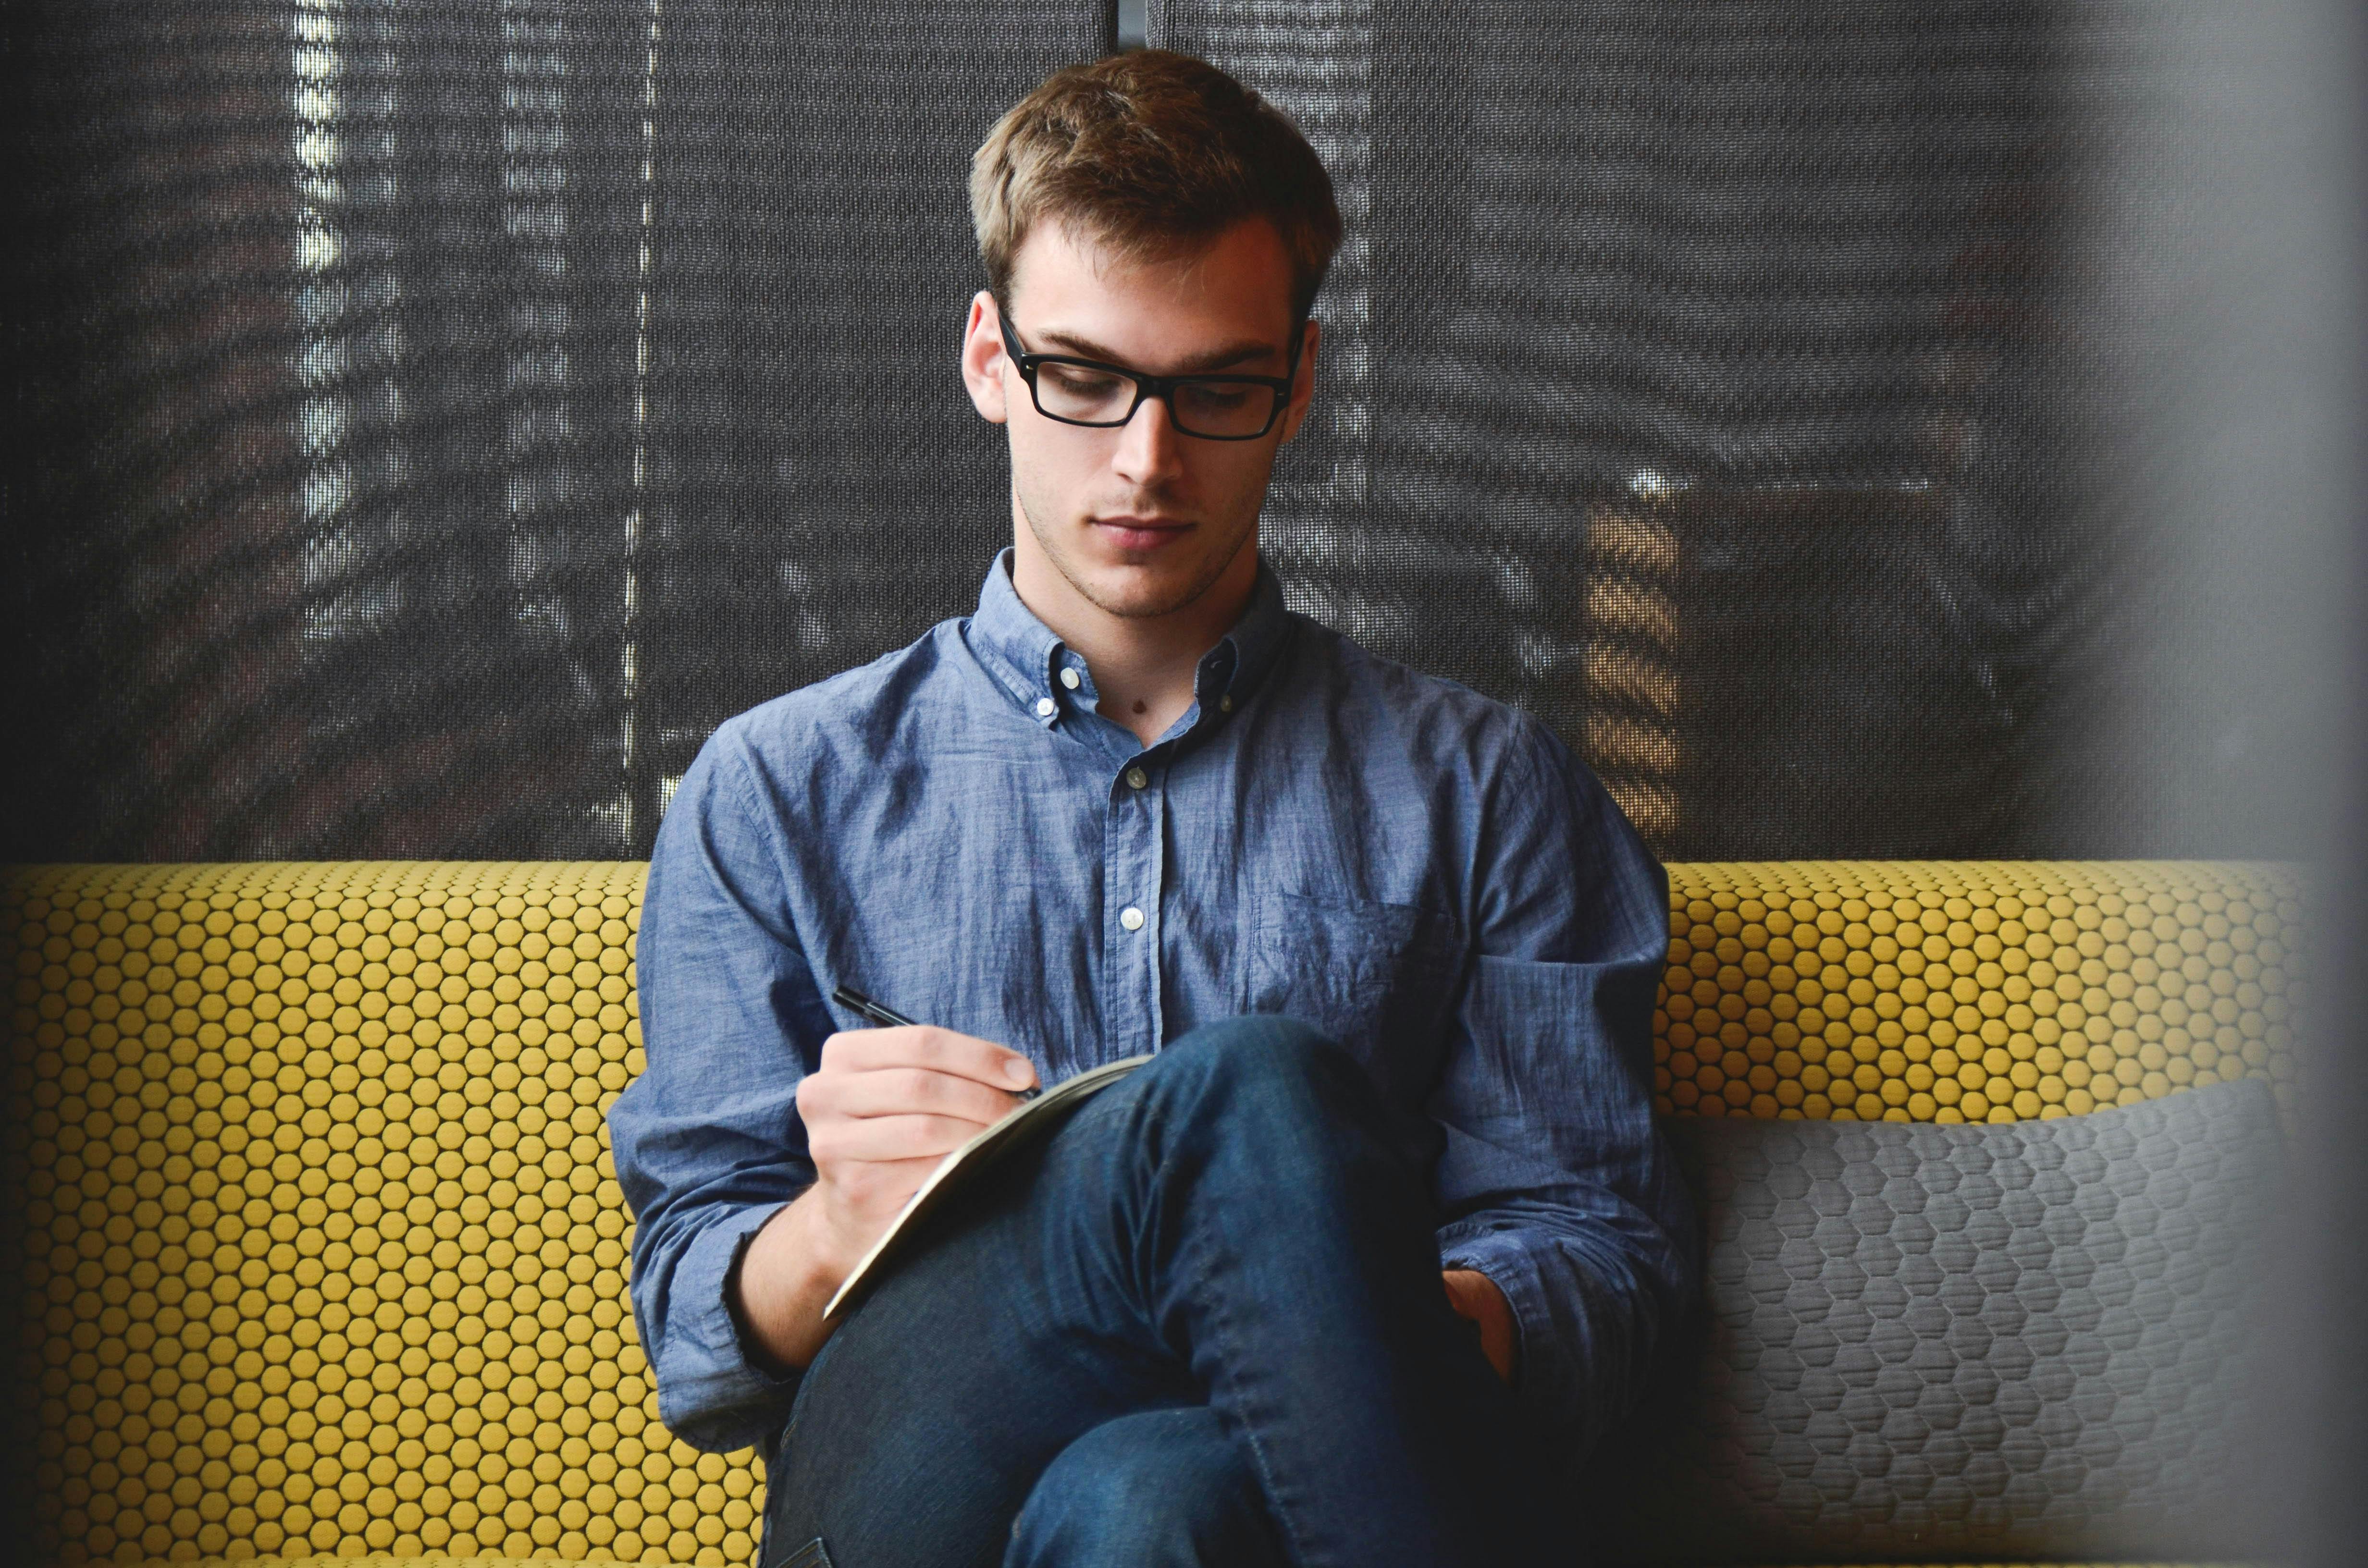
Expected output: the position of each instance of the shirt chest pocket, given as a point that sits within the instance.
(1378, 978)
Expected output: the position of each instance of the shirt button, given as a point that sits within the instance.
(1136, 777)
(1130, 917)
(1224, 705)
(1069, 679)
(1046, 708)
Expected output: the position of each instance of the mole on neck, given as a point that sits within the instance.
(1141, 707)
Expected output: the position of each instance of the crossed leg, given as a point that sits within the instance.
(1230, 1231)
(1159, 1489)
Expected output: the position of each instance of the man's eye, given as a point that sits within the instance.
(1078, 382)
(1224, 396)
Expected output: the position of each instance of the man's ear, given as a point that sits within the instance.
(983, 359)
(1302, 385)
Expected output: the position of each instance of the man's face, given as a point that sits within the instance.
(1140, 521)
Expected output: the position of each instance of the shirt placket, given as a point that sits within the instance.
(1133, 872)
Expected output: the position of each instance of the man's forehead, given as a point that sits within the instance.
(1241, 274)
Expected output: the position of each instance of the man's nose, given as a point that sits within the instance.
(1149, 446)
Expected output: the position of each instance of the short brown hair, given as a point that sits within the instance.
(1147, 151)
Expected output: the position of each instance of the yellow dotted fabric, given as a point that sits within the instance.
(325, 1254)
(375, 1561)
(1992, 990)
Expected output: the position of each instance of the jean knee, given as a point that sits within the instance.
(1262, 1048)
(1284, 1076)
(1158, 1488)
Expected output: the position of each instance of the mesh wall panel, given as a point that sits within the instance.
(444, 416)
(1709, 381)
(820, 488)
(339, 338)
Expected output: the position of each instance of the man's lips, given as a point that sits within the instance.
(1129, 533)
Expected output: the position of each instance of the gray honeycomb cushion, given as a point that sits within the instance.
(2037, 1340)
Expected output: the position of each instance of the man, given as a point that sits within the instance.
(1383, 1233)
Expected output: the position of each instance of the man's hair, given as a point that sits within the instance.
(1151, 153)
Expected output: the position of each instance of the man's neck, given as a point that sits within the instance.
(1143, 666)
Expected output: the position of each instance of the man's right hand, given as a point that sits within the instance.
(885, 1108)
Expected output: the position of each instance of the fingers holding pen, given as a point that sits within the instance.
(917, 1142)
(935, 1050)
(903, 1091)
(949, 1086)
(882, 1109)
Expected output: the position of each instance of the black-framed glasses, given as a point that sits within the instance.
(1101, 396)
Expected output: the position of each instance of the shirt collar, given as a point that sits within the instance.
(1028, 658)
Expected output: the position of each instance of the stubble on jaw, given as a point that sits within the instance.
(1213, 569)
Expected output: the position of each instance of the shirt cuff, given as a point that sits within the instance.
(709, 1390)
(1541, 1375)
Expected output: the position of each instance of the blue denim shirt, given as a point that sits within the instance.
(1427, 876)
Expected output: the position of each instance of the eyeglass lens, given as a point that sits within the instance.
(1217, 408)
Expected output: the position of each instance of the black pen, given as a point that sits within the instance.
(856, 1001)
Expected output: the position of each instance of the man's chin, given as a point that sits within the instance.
(1139, 595)
(1136, 585)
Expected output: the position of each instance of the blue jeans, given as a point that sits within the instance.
(1201, 1323)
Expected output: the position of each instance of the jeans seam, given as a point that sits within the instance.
(1221, 1325)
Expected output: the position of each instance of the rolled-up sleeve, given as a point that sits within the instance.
(1554, 1181)
(707, 1140)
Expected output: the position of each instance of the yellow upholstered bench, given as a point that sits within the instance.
(1970, 991)
(325, 1252)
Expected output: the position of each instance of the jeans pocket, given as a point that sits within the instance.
(813, 1554)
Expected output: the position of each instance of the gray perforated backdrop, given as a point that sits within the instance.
(434, 420)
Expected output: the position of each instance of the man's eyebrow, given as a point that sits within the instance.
(1219, 359)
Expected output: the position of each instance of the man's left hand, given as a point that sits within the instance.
(1474, 1295)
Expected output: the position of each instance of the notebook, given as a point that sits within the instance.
(962, 1166)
